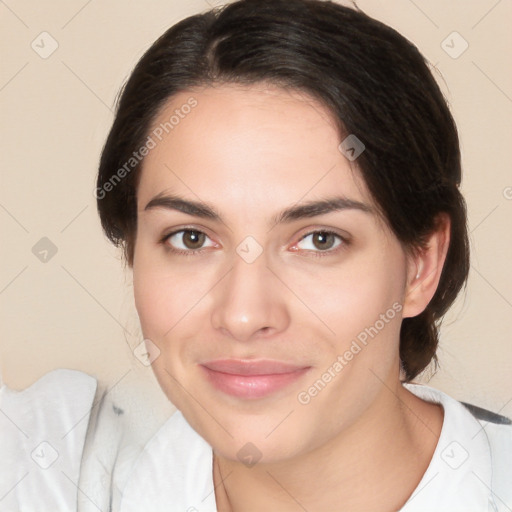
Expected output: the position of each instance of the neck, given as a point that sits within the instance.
(374, 465)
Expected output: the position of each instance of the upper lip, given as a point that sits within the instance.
(252, 366)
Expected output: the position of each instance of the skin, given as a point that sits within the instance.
(364, 441)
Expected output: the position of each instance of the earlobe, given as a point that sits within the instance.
(424, 269)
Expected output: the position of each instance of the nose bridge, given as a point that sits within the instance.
(248, 300)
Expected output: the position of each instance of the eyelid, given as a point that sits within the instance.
(177, 229)
(330, 230)
(165, 238)
(344, 238)
(345, 241)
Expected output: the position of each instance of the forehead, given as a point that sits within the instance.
(247, 146)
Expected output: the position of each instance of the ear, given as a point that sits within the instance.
(424, 268)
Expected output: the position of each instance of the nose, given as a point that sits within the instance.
(249, 303)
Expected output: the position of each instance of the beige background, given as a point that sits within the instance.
(76, 311)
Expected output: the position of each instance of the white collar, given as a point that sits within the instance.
(459, 476)
(174, 471)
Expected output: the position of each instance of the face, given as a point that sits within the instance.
(263, 273)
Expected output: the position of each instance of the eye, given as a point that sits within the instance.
(323, 241)
(187, 241)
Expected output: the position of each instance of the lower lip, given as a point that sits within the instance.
(252, 386)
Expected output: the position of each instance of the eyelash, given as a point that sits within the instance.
(181, 252)
(345, 242)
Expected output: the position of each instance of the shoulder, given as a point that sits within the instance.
(474, 453)
(174, 467)
(55, 402)
(59, 385)
(499, 436)
(42, 432)
(497, 430)
(126, 415)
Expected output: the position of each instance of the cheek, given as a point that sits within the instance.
(361, 302)
(164, 292)
(165, 304)
(154, 292)
(350, 296)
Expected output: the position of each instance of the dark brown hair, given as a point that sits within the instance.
(374, 82)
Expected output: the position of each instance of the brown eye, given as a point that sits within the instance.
(188, 240)
(320, 241)
(193, 239)
(323, 240)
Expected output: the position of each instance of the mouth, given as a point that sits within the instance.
(251, 379)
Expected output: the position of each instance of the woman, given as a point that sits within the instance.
(283, 177)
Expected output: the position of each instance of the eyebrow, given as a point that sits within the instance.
(290, 214)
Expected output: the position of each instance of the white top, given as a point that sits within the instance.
(44, 465)
(42, 431)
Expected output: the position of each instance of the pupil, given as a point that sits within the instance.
(325, 240)
(193, 239)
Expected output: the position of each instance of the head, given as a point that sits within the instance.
(253, 127)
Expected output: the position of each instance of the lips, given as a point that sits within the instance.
(251, 379)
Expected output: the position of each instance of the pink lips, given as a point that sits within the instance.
(249, 378)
